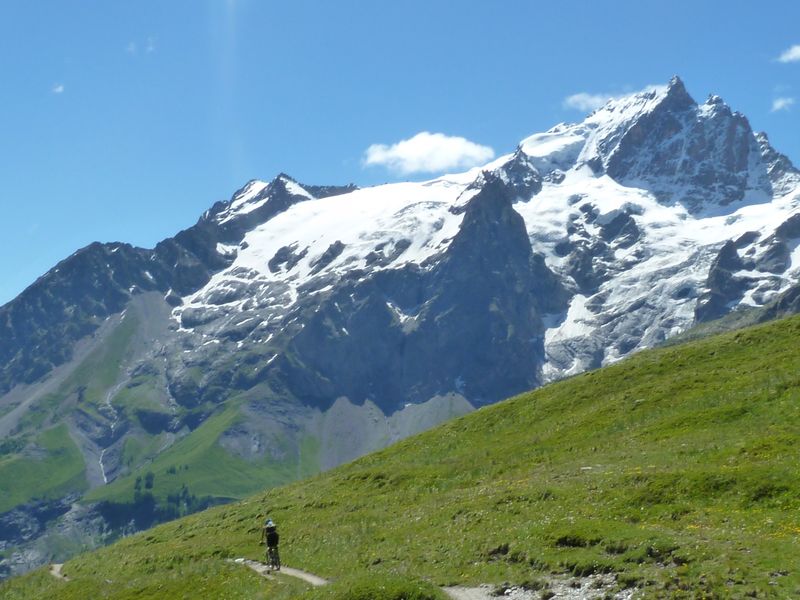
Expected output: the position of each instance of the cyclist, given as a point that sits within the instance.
(270, 537)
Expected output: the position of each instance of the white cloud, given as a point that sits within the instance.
(790, 54)
(428, 153)
(586, 102)
(782, 104)
(58, 88)
(148, 47)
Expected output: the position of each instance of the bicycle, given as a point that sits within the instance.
(273, 558)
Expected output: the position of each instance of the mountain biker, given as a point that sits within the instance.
(270, 537)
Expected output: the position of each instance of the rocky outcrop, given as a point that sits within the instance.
(695, 155)
(724, 288)
(783, 175)
(470, 324)
(40, 327)
(778, 247)
(45, 531)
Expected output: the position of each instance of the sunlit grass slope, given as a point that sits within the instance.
(200, 463)
(676, 469)
(56, 467)
(40, 459)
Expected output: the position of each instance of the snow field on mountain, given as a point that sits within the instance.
(672, 252)
(364, 221)
(675, 250)
(360, 220)
(646, 288)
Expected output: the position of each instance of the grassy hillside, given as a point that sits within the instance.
(40, 459)
(200, 464)
(52, 466)
(675, 469)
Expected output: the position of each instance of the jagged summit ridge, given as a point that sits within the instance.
(660, 139)
(644, 191)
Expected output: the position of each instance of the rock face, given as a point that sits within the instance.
(723, 287)
(291, 313)
(691, 153)
(42, 531)
(400, 336)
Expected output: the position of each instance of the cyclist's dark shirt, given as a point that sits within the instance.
(272, 538)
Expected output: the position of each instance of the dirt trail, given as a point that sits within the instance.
(593, 587)
(457, 593)
(265, 571)
(557, 587)
(308, 577)
(465, 593)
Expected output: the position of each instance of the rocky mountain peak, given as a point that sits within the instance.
(284, 177)
(626, 110)
(518, 177)
(254, 204)
(285, 184)
(675, 96)
(622, 125)
(676, 82)
(521, 176)
(695, 155)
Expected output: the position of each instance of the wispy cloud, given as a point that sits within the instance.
(428, 153)
(148, 46)
(790, 54)
(782, 104)
(588, 101)
(585, 101)
(57, 88)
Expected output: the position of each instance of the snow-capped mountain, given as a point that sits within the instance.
(653, 213)
(352, 317)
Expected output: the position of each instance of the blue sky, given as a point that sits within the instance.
(125, 120)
